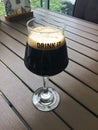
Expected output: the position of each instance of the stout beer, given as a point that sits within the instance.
(46, 52)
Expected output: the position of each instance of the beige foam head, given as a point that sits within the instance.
(46, 38)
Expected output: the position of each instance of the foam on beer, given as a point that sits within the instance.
(40, 38)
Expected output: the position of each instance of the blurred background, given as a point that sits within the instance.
(61, 6)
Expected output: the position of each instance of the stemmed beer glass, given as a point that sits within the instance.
(45, 55)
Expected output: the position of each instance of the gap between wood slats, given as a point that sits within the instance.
(25, 33)
(68, 18)
(15, 111)
(74, 99)
(70, 24)
(83, 42)
(68, 47)
(69, 50)
(79, 33)
(20, 56)
(60, 116)
(68, 72)
(61, 89)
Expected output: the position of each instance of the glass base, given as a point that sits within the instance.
(46, 100)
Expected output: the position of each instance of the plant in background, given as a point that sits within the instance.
(2, 8)
(55, 5)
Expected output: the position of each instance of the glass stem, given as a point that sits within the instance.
(45, 84)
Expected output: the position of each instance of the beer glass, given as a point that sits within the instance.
(45, 55)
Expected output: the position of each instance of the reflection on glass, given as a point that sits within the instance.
(45, 55)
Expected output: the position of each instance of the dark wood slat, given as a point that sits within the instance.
(79, 72)
(14, 33)
(8, 119)
(81, 40)
(82, 49)
(70, 67)
(15, 25)
(88, 53)
(68, 28)
(62, 18)
(77, 90)
(76, 115)
(83, 61)
(77, 85)
(19, 50)
(83, 34)
(69, 18)
(20, 97)
(34, 82)
(12, 44)
(71, 52)
(74, 46)
(74, 35)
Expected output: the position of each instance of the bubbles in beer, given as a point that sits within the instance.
(46, 38)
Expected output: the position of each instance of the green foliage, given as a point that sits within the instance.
(54, 5)
(35, 3)
(2, 8)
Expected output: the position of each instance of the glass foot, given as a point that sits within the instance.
(46, 100)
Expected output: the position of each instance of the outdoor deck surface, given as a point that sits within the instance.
(77, 84)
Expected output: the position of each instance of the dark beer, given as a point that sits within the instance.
(46, 54)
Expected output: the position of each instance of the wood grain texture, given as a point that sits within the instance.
(8, 119)
(77, 84)
(68, 18)
(21, 98)
(35, 82)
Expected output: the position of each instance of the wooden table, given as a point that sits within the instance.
(77, 85)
